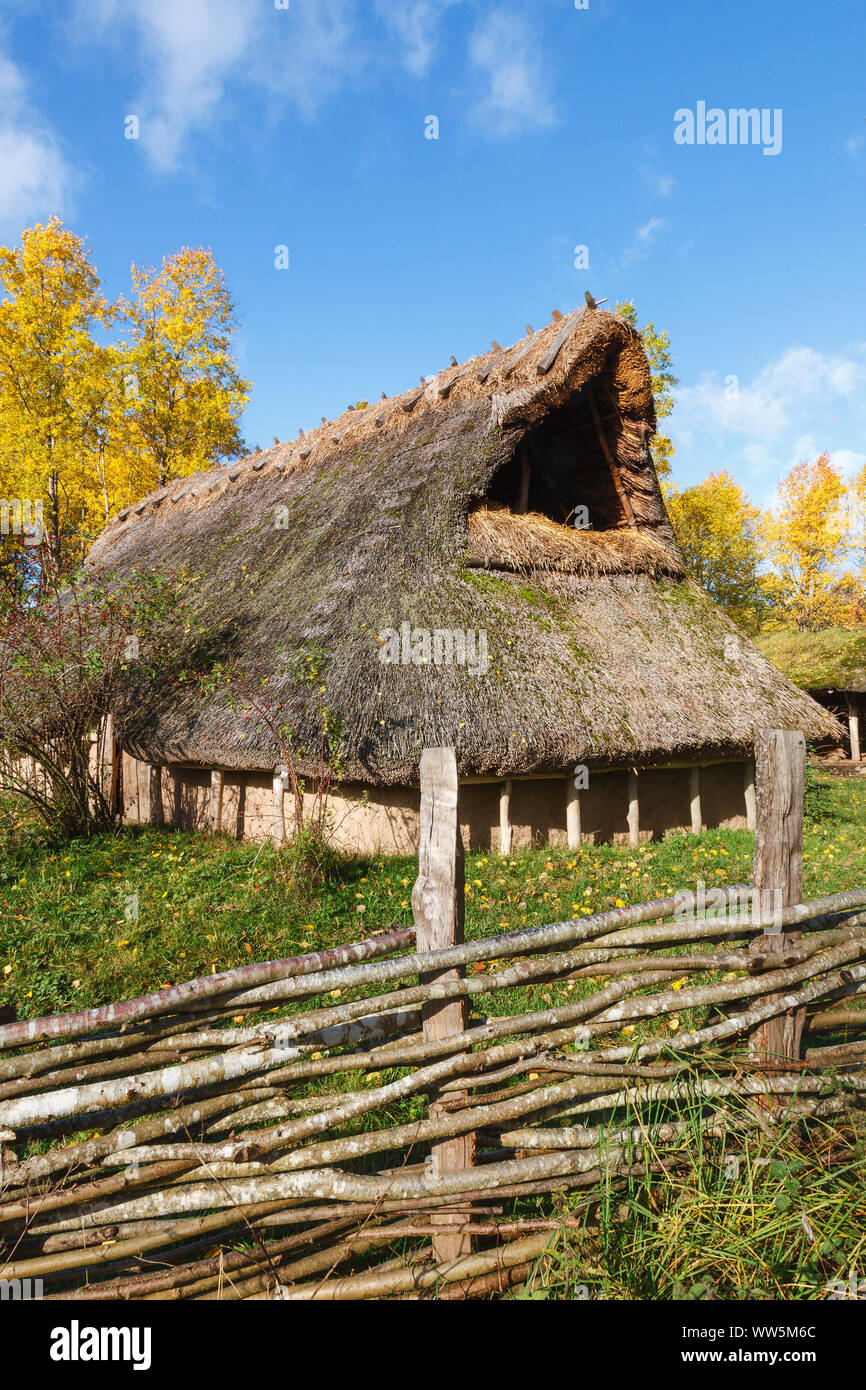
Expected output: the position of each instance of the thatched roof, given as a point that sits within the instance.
(443, 508)
(832, 660)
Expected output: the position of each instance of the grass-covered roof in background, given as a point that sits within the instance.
(831, 660)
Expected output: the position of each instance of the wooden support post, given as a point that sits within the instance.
(780, 766)
(437, 906)
(109, 771)
(279, 826)
(572, 813)
(177, 810)
(217, 782)
(522, 501)
(854, 728)
(116, 797)
(695, 800)
(505, 827)
(104, 744)
(625, 500)
(633, 809)
(155, 813)
(749, 790)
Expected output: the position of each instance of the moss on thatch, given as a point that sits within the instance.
(597, 650)
(831, 660)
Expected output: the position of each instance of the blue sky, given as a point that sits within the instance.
(262, 125)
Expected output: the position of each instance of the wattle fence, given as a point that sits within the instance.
(143, 1141)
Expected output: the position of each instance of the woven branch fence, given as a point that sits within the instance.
(143, 1142)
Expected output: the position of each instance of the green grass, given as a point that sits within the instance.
(208, 904)
(778, 1217)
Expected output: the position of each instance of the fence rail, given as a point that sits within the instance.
(177, 1132)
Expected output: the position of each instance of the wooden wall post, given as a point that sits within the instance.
(217, 784)
(749, 793)
(279, 824)
(155, 812)
(780, 774)
(633, 809)
(437, 906)
(505, 826)
(109, 772)
(573, 824)
(854, 728)
(695, 800)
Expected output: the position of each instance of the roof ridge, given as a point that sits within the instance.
(507, 365)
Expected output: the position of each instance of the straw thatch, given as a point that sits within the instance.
(416, 511)
(505, 540)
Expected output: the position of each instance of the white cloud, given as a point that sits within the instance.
(662, 185)
(35, 179)
(505, 51)
(415, 25)
(800, 404)
(194, 52)
(855, 146)
(196, 57)
(649, 231)
(643, 240)
(186, 52)
(798, 382)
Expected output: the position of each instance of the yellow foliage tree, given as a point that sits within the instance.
(806, 546)
(718, 529)
(53, 380)
(184, 395)
(853, 519)
(88, 425)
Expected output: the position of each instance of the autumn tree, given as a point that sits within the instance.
(718, 529)
(851, 519)
(184, 395)
(658, 350)
(52, 380)
(88, 423)
(806, 546)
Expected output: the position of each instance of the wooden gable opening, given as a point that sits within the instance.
(565, 469)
